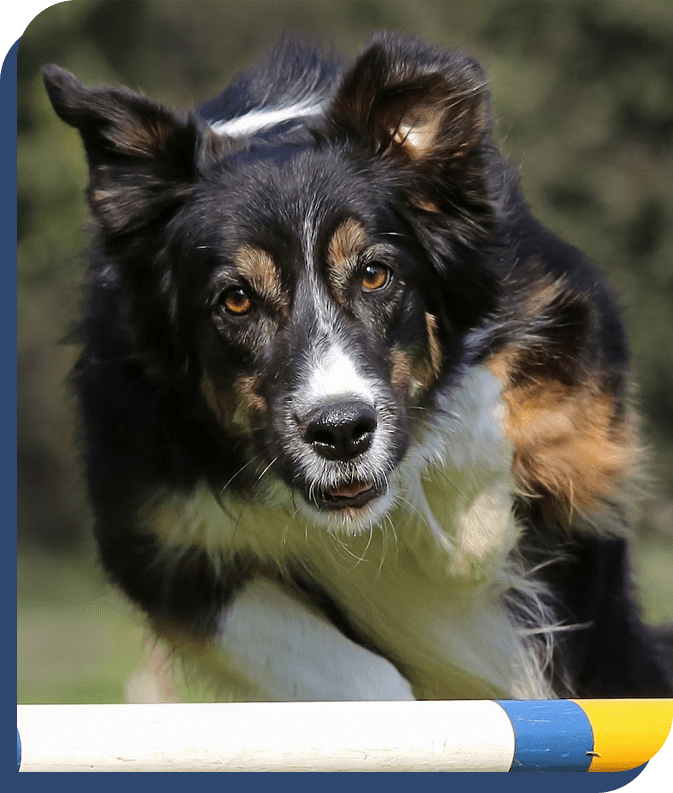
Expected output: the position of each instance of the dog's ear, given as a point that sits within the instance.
(142, 157)
(413, 101)
(422, 108)
(143, 163)
(426, 115)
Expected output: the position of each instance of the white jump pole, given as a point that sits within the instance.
(343, 736)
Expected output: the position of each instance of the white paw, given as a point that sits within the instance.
(292, 653)
(377, 679)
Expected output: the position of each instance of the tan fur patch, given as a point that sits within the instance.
(542, 296)
(400, 369)
(241, 408)
(348, 243)
(425, 204)
(166, 522)
(568, 442)
(433, 343)
(502, 365)
(249, 401)
(260, 271)
(212, 398)
(545, 295)
(140, 139)
(425, 371)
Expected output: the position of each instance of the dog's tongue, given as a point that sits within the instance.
(349, 490)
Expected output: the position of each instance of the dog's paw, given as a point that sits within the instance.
(377, 679)
(293, 653)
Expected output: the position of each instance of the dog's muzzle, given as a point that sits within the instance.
(341, 432)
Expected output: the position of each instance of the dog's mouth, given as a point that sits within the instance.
(348, 495)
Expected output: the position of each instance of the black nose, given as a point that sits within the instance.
(341, 430)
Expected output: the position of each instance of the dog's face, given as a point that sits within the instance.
(315, 290)
(321, 333)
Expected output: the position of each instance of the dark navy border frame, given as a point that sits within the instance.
(553, 782)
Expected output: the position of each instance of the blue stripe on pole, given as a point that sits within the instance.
(18, 750)
(551, 735)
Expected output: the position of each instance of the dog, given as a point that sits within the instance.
(355, 424)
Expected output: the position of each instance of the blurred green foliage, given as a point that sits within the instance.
(584, 93)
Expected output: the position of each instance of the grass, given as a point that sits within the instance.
(653, 561)
(77, 642)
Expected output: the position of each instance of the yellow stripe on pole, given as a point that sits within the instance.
(627, 732)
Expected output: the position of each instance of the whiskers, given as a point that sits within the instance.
(238, 473)
(223, 491)
(346, 550)
(266, 470)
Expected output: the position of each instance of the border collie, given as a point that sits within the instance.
(355, 424)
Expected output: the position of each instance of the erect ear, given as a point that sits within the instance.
(143, 163)
(413, 101)
(427, 113)
(426, 110)
(142, 157)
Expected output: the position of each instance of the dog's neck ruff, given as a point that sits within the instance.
(427, 585)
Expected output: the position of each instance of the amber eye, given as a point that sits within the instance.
(236, 301)
(375, 276)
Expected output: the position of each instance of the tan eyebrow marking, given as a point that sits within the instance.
(348, 243)
(260, 271)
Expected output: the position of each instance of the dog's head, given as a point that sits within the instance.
(316, 288)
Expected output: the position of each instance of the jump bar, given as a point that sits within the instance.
(479, 735)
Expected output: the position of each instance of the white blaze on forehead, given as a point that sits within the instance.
(335, 373)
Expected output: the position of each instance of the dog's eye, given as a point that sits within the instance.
(375, 276)
(236, 301)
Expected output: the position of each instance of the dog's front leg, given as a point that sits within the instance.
(290, 652)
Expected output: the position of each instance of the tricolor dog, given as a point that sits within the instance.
(355, 424)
